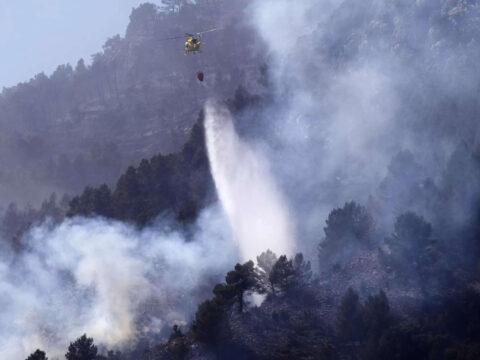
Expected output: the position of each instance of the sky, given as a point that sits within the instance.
(38, 35)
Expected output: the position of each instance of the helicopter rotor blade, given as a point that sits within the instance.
(207, 31)
(173, 38)
(188, 35)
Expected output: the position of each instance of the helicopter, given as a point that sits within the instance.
(194, 41)
(192, 45)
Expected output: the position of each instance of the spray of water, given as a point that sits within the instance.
(255, 208)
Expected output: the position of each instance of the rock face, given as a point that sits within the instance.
(139, 97)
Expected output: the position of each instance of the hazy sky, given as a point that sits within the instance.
(39, 35)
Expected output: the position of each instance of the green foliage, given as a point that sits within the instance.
(349, 322)
(449, 330)
(93, 201)
(282, 274)
(412, 251)
(404, 342)
(180, 183)
(303, 270)
(376, 314)
(350, 227)
(244, 278)
(82, 349)
(351, 220)
(266, 261)
(208, 321)
(37, 355)
(377, 320)
(462, 315)
(225, 294)
(290, 275)
(16, 221)
(411, 226)
(285, 329)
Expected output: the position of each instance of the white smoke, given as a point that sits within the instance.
(117, 283)
(108, 280)
(342, 116)
(255, 208)
(355, 83)
(339, 115)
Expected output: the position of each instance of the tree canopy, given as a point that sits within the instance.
(82, 349)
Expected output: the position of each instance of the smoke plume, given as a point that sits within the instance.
(354, 84)
(109, 280)
(357, 83)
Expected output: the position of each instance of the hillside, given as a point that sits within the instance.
(139, 96)
(343, 134)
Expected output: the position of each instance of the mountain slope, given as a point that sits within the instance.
(83, 125)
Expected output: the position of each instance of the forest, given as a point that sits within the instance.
(352, 138)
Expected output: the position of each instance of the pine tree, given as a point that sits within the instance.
(38, 355)
(266, 262)
(244, 278)
(288, 275)
(349, 322)
(82, 349)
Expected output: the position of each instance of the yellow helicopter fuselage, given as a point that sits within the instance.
(192, 45)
